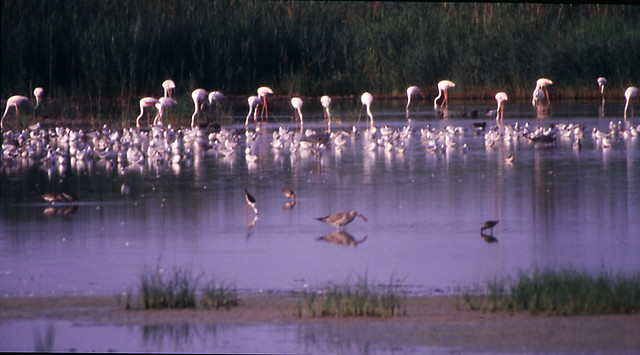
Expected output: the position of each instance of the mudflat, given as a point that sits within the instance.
(429, 321)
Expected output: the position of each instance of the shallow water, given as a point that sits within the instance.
(556, 207)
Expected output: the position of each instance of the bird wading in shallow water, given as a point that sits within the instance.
(341, 219)
(488, 225)
(251, 202)
(443, 87)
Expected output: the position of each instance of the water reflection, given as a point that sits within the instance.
(342, 238)
(426, 187)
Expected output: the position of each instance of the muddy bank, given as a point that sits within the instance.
(429, 321)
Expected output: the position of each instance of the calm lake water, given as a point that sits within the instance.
(557, 207)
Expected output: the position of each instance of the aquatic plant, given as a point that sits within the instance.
(563, 292)
(218, 295)
(159, 290)
(347, 300)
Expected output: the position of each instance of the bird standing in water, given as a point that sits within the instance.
(488, 225)
(341, 219)
(251, 202)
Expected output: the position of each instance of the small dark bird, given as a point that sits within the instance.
(288, 193)
(251, 202)
(488, 225)
(341, 219)
(61, 198)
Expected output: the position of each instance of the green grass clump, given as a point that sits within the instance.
(218, 295)
(179, 289)
(346, 300)
(564, 292)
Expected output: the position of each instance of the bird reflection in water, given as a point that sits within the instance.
(488, 225)
(288, 193)
(60, 210)
(342, 238)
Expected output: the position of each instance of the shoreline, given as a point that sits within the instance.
(429, 321)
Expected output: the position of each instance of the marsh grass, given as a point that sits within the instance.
(564, 292)
(346, 300)
(178, 288)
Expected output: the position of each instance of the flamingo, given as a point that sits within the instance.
(254, 101)
(443, 86)
(411, 91)
(601, 83)
(629, 95)
(262, 94)
(215, 96)
(296, 102)
(366, 100)
(168, 86)
(38, 93)
(543, 83)
(501, 97)
(163, 104)
(326, 103)
(198, 96)
(144, 103)
(13, 101)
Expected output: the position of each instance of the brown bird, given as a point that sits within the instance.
(288, 193)
(60, 198)
(341, 219)
(342, 238)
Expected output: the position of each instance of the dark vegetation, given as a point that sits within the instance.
(121, 49)
(562, 292)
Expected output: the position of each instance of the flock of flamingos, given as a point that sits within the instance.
(156, 146)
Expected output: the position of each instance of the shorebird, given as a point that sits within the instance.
(288, 193)
(488, 225)
(63, 197)
(251, 202)
(341, 219)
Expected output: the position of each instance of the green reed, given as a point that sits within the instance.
(564, 292)
(347, 300)
(99, 50)
(178, 288)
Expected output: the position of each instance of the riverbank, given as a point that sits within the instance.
(429, 321)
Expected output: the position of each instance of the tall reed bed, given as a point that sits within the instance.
(564, 292)
(346, 300)
(178, 288)
(125, 49)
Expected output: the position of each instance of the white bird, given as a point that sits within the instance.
(326, 103)
(366, 100)
(262, 94)
(38, 93)
(215, 96)
(14, 101)
(164, 104)
(538, 96)
(254, 102)
(296, 102)
(601, 83)
(629, 95)
(199, 96)
(411, 91)
(501, 97)
(443, 86)
(168, 86)
(543, 83)
(146, 102)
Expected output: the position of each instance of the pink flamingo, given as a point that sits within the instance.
(164, 104)
(601, 83)
(296, 102)
(366, 100)
(543, 83)
(326, 103)
(443, 87)
(146, 102)
(501, 97)
(199, 96)
(629, 95)
(168, 86)
(254, 102)
(262, 94)
(411, 91)
(14, 101)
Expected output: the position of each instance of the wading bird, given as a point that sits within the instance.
(14, 101)
(488, 225)
(501, 97)
(38, 93)
(296, 102)
(168, 86)
(251, 202)
(262, 94)
(146, 102)
(326, 103)
(629, 95)
(601, 83)
(199, 96)
(164, 105)
(443, 87)
(411, 91)
(254, 102)
(366, 100)
(543, 83)
(341, 219)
